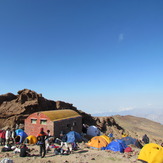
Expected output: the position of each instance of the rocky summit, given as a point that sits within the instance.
(15, 108)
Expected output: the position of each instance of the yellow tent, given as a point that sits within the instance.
(97, 142)
(106, 138)
(31, 139)
(151, 153)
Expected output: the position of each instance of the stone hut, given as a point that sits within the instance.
(56, 121)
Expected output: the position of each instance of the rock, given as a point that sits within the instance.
(7, 97)
(15, 108)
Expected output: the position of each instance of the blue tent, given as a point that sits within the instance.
(117, 146)
(18, 131)
(129, 140)
(20, 136)
(73, 136)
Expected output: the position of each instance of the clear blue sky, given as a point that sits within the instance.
(100, 55)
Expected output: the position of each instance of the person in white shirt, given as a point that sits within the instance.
(8, 135)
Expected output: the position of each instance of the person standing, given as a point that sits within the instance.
(3, 137)
(41, 140)
(48, 141)
(7, 135)
(13, 135)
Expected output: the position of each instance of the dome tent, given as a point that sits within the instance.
(20, 136)
(73, 136)
(18, 131)
(117, 146)
(151, 153)
(31, 139)
(93, 131)
(129, 140)
(97, 142)
(106, 138)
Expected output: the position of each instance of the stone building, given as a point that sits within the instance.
(56, 121)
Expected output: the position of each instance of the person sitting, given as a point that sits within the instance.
(48, 142)
(63, 138)
(145, 139)
(48, 134)
(24, 151)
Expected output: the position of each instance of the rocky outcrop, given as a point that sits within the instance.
(7, 97)
(15, 108)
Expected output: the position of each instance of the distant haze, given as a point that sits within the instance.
(152, 114)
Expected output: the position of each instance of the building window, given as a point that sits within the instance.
(43, 122)
(33, 121)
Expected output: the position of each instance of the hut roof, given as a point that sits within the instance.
(56, 115)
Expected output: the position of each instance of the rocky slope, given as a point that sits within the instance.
(137, 127)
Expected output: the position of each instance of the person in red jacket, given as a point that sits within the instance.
(3, 133)
(41, 141)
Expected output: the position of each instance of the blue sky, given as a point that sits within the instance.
(98, 55)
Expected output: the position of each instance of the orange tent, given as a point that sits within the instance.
(106, 138)
(97, 142)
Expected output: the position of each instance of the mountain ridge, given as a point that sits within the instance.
(151, 114)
